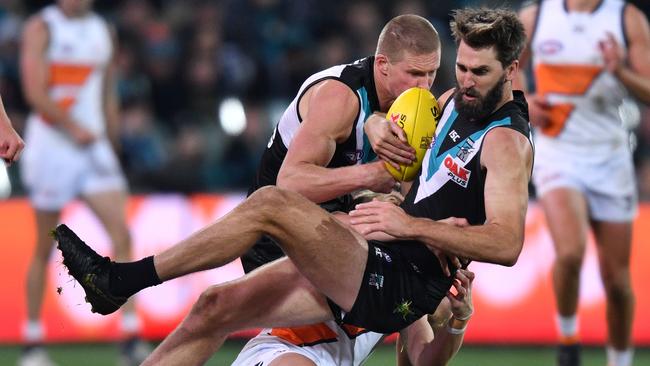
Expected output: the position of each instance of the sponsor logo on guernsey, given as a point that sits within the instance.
(354, 156)
(454, 135)
(456, 172)
(376, 280)
(383, 255)
(550, 47)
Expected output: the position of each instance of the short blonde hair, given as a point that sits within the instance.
(408, 32)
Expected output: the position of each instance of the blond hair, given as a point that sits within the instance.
(408, 32)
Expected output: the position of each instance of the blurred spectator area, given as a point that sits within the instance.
(179, 60)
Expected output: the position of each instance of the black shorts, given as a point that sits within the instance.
(264, 251)
(402, 282)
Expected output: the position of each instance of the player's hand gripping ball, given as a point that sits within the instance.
(417, 112)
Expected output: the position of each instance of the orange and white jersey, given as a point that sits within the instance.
(326, 344)
(78, 52)
(569, 72)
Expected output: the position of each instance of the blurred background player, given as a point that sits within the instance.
(67, 76)
(10, 142)
(588, 56)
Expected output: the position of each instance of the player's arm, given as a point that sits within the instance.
(110, 97)
(435, 339)
(330, 112)
(10, 143)
(35, 77)
(538, 106)
(635, 75)
(507, 157)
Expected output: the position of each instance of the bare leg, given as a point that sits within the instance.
(614, 243)
(274, 295)
(566, 214)
(110, 208)
(325, 251)
(36, 275)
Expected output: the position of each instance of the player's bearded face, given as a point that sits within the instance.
(481, 105)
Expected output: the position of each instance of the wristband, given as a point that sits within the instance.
(456, 331)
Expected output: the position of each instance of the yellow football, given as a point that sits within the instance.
(417, 112)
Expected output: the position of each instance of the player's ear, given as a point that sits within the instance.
(382, 63)
(512, 70)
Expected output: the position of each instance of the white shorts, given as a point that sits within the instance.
(263, 349)
(607, 180)
(331, 349)
(55, 175)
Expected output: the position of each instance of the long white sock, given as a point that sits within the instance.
(130, 323)
(567, 326)
(619, 358)
(33, 331)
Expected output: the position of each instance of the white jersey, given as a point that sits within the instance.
(326, 344)
(569, 72)
(78, 52)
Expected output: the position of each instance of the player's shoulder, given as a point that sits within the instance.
(333, 94)
(35, 24)
(634, 17)
(504, 142)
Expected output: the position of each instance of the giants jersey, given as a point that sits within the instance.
(78, 52)
(569, 72)
(452, 179)
(355, 150)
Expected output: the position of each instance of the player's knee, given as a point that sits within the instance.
(271, 199)
(616, 283)
(570, 260)
(213, 311)
(269, 195)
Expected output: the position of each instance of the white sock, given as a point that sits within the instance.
(567, 325)
(130, 323)
(33, 331)
(619, 358)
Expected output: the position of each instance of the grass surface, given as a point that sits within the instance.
(106, 355)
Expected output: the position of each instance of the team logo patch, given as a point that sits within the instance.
(465, 150)
(354, 156)
(456, 172)
(376, 280)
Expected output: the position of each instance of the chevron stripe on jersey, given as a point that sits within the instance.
(452, 179)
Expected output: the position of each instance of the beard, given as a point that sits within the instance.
(481, 106)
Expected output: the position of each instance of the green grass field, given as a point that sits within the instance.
(106, 355)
